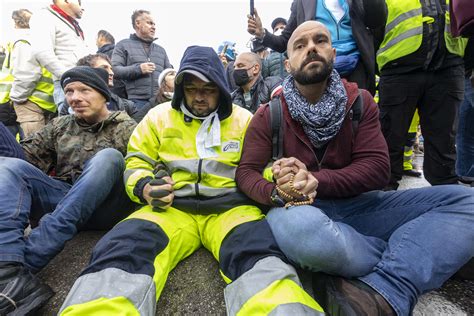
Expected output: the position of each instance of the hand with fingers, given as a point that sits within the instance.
(295, 184)
(159, 191)
(254, 25)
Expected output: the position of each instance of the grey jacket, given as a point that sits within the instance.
(274, 65)
(126, 59)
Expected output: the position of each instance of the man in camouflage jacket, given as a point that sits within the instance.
(83, 153)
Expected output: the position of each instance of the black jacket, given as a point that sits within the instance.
(261, 93)
(274, 65)
(126, 59)
(366, 15)
(107, 49)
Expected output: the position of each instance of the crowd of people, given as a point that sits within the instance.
(274, 160)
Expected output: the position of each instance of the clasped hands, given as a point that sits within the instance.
(295, 184)
(159, 192)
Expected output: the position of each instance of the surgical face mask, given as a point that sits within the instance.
(241, 77)
(278, 32)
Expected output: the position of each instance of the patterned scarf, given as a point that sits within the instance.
(320, 121)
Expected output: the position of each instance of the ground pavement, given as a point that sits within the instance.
(195, 286)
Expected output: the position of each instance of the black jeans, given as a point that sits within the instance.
(437, 95)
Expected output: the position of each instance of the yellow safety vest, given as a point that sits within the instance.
(42, 95)
(6, 77)
(404, 32)
(165, 137)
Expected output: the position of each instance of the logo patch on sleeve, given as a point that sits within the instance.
(231, 146)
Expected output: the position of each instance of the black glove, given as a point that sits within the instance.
(155, 194)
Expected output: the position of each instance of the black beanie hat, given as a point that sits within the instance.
(95, 78)
(278, 21)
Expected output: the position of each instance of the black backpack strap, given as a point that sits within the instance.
(357, 111)
(276, 123)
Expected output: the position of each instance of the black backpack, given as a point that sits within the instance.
(276, 122)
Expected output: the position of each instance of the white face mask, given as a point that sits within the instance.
(278, 32)
(168, 95)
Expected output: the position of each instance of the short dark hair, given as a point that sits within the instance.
(90, 59)
(108, 37)
(277, 21)
(136, 14)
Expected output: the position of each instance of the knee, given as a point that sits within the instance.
(109, 158)
(309, 238)
(9, 165)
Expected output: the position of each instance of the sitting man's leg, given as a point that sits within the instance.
(24, 189)
(428, 234)
(261, 281)
(91, 189)
(130, 264)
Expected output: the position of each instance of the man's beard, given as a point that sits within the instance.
(312, 75)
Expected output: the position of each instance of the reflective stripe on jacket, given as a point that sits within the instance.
(6, 77)
(164, 136)
(404, 31)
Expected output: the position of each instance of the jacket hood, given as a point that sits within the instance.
(205, 61)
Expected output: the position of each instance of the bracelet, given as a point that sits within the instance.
(294, 190)
(302, 198)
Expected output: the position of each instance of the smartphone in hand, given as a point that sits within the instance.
(252, 12)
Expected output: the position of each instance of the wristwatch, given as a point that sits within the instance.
(277, 200)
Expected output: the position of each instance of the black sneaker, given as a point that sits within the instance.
(21, 293)
(345, 297)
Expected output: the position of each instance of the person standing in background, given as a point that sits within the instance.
(105, 43)
(274, 64)
(422, 71)
(465, 133)
(32, 87)
(350, 24)
(58, 41)
(138, 61)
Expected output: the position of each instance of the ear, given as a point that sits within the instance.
(287, 65)
(256, 69)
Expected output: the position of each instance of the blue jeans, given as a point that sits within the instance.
(465, 134)
(401, 243)
(97, 196)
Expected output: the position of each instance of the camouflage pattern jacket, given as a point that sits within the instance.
(66, 143)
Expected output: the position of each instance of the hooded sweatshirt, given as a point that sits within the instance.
(212, 68)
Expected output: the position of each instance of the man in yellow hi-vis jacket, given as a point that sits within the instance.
(181, 163)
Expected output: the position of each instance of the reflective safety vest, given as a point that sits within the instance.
(404, 31)
(42, 95)
(165, 137)
(6, 77)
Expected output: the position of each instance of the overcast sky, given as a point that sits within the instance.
(179, 23)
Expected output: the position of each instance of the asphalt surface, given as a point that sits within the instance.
(195, 286)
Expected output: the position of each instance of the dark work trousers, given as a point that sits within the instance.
(437, 95)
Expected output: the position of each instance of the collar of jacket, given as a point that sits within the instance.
(97, 127)
(134, 36)
(68, 18)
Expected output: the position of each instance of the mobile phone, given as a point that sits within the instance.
(252, 12)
